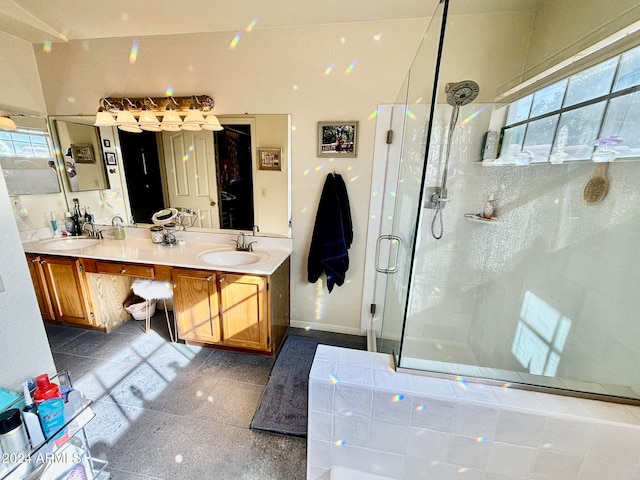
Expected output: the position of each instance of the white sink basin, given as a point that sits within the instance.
(231, 258)
(71, 243)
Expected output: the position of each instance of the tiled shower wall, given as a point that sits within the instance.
(365, 416)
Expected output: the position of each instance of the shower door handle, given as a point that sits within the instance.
(390, 238)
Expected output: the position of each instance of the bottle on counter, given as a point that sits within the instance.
(489, 207)
(118, 229)
(68, 223)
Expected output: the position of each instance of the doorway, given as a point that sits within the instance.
(234, 167)
(142, 173)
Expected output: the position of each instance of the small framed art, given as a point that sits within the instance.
(269, 159)
(338, 139)
(110, 158)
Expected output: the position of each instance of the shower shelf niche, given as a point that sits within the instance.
(475, 217)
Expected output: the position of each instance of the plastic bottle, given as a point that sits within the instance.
(50, 405)
(30, 418)
(118, 230)
(14, 443)
(68, 223)
(489, 207)
(45, 390)
(54, 223)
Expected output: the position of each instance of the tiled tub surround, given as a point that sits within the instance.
(365, 416)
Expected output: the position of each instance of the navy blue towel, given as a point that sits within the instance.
(332, 234)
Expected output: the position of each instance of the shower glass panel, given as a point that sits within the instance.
(403, 184)
(544, 293)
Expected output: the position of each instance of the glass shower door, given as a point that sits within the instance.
(410, 123)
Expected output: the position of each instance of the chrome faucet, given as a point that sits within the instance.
(242, 245)
(93, 233)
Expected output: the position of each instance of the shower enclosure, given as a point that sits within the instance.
(541, 294)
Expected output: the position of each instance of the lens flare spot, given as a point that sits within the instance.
(353, 179)
(481, 439)
(234, 43)
(199, 393)
(124, 17)
(133, 52)
(329, 69)
(506, 385)
(391, 193)
(296, 87)
(410, 114)
(435, 289)
(419, 100)
(179, 458)
(547, 445)
(462, 382)
(308, 328)
(319, 167)
(168, 91)
(188, 153)
(375, 193)
(377, 37)
(304, 210)
(373, 114)
(343, 40)
(251, 25)
(71, 100)
(462, 470)
(350, 68)
(210, 399)
(420, 408)
(339, 443)
(333, 379)
(397, 398)
(47, 46)
(350, 167)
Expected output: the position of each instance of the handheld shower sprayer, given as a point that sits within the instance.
(458, 94)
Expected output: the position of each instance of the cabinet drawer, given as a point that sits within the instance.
(128, 269)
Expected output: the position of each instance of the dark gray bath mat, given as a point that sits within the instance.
(283, 407)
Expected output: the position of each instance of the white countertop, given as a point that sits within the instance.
(138, 248)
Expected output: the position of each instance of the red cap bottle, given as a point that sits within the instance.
(45, 389)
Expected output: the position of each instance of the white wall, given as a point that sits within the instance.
(280, 70)
(25, 349)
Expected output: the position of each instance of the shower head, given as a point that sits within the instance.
(461, 93)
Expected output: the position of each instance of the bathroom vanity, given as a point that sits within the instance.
(220, 298)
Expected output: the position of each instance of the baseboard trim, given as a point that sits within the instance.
(323, 327)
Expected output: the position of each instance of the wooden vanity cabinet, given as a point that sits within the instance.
(40, 286)
(248, 312)
(196, 305)
(61, 289)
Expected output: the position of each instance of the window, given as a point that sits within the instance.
(27, 162)
(563, 121)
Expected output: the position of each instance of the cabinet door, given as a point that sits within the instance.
(195, 303)
(40, 287)
(244, 311)
(67, 290)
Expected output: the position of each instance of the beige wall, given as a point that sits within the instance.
(280, 70)
(25, 350)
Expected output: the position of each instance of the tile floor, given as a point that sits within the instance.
(168, 410)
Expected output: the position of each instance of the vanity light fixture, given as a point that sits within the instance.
(122, 112)
(7, 124)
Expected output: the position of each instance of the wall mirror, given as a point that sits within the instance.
(214, 174)
(79, 150)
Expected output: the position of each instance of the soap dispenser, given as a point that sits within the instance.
(118, 229)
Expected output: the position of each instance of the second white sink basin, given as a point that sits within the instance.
(231, 258)
(72, 243)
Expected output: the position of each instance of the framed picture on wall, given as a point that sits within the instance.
(269, 159)
(82, 153)
(338, 139)
(110, 158)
